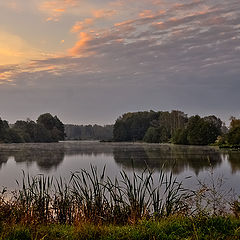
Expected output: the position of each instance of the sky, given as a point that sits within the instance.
(91, 61)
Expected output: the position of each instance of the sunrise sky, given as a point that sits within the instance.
(90, 61)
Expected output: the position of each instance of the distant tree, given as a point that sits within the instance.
(197, 130)
(103, 132)
(156, 135)
(31, 130)
(216, 124)
(58, 129)
(233, 136)
(180, 137)
(148, 126)
(3, 128)
(7, 134)
(54, 127)
(73, 132)
(58, 124)
(12, 136)
(164, 135)
(152, 135)
(47, 120)
(47, 129)
(88, 132)
(172, 121)
(22, 128)
(41, 134)
(234, 122)
(120, 131)
(201, 131)
(166, 126)
(133, 126)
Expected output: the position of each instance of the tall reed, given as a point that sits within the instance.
(63, 201)
(34, 197)
(89, 191)
(93, 196)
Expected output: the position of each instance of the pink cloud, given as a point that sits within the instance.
(80, 46)
(56, 8)
(79, 26)
(103, 13)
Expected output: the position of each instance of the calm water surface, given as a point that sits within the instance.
(60, 159)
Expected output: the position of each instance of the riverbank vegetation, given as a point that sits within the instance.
(171, 228)
(133, 206)
(176, 127)
(46, 129)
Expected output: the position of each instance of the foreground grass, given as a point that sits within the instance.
(167, 228)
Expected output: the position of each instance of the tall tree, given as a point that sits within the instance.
(133, 126)
(53, 125)
(233, 136)
(199, 131)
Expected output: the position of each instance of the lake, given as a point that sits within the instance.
(60, 159)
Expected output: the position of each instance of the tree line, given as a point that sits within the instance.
(175, 127)
(88, 132)
(46, 129)
(148, 126)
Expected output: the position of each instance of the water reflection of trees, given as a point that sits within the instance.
(234, 160)
(3, 158)
(48, 156)
(87, 149)
(44, 159)
(175, 158)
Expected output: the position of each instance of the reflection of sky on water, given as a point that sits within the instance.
(60, 159)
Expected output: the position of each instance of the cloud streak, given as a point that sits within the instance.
(56, 8)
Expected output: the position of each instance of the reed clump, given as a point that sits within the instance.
(91, 196)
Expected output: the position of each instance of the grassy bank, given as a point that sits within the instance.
(167, 228)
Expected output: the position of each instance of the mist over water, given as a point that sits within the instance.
(61, 159)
